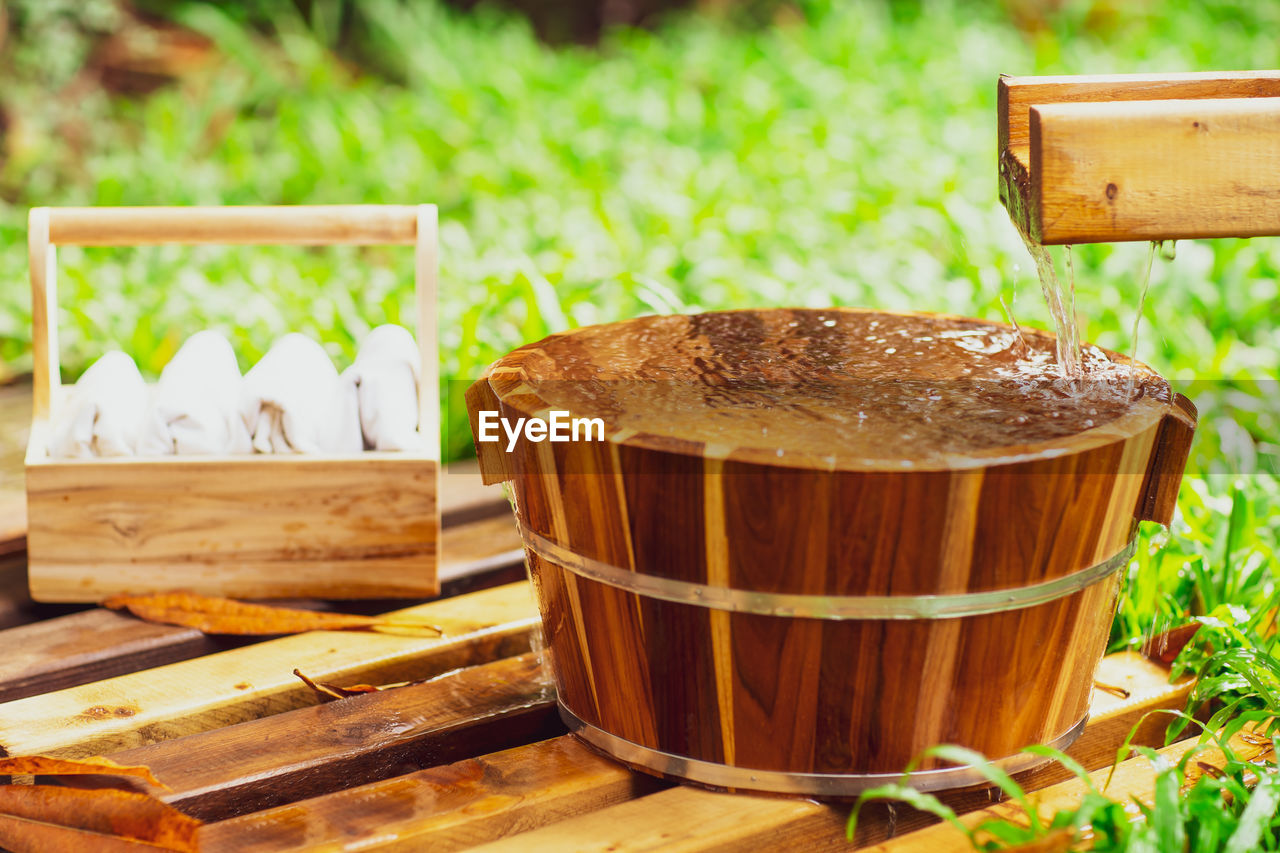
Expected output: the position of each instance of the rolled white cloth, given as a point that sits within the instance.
(385, 378)
(196, 407)
(104, 412)
(293, 401)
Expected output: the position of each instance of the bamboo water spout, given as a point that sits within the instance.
(1126, 157)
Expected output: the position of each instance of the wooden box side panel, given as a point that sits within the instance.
(329, 528)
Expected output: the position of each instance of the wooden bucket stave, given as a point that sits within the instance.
(720, 619)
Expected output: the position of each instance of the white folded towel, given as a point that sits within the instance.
(104, 413)
(385, 377)
(293, 401)
(196, 407)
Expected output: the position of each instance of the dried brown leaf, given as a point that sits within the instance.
(1113, 689)
(1165, 647)
(43, 765)
(123, 814)
(20, 835)
(333, 691)
(227, 616)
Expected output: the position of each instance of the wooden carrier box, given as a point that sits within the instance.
(257, 526)
(786, 569)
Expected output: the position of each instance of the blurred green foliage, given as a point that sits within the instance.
(826, 153)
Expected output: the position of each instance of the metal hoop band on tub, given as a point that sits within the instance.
(807, 784)
(833, 607)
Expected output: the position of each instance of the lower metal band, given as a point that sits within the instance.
(806, 784)
(834, 607)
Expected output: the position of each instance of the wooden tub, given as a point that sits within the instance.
(814, 543)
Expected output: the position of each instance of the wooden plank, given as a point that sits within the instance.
(1016, 95)
(687, 819)
(1134, 778)
(713, 818)
(324, 748)
(256, 681)
(1157, 170)
(445, 808)
(53, 654)
(307, 225)
(42, 260)
(15, 601)
(16, 606)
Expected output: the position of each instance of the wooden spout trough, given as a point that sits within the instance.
(813, 543)
(1112, 158)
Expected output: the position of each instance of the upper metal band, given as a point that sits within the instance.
(835, 607)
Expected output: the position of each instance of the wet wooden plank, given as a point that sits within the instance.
(453, 807)
(16, 606)
(15, 602)
(421, 817)
(65, 651)
(688, 818)
(324, 748)
(256, 681)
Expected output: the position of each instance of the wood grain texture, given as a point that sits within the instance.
(251, 527)
(59, 649)
(810, 695)
(307, 225)
(256, 681)
(1016, 95)
(453, 807)
(43, 262)
(1159, 170)
(64, 651)
(1140, 157)
(342, 744)
(683, 820)
(364, 526)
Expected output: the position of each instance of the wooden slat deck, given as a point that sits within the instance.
(474, 757)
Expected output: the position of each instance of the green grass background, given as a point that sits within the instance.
(841, 153)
